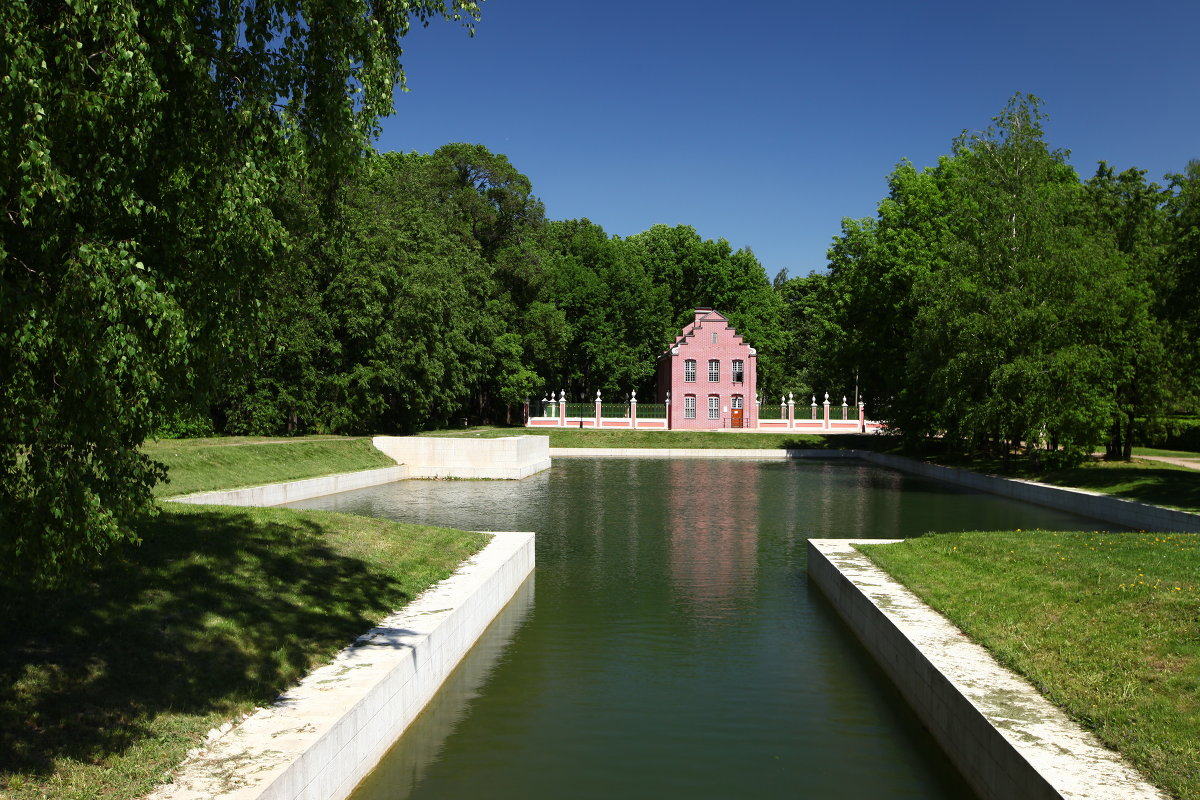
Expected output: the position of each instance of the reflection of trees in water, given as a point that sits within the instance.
(712, 510)
(404, 766)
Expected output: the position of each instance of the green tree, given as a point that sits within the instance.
(617, 319)
(866, 333)
(1131, 213)
(144, 146)
(1181, 295)
(1016, 339)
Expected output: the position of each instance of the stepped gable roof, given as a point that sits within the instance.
(702, 317)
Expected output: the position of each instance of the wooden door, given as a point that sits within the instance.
(736, 420)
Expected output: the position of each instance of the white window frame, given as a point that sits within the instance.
(714, 370)
(736, 402)
(714, 407)
(689, 370)
(689, 407)
(739, 370)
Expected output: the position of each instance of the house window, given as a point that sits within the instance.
(714, 407)
(689, 370)
(738, 370)
(714, 371)
(736, 402)
(689, 406)
(714, 337)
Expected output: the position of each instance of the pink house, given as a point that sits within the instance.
(711, 374)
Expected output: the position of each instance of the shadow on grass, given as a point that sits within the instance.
(1178, 488)
(213, 610)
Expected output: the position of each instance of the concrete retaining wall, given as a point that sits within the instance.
(321, 738)
(1139, 516)
(1007, 740)
(507, 458)
(279, 493)
(651, 452)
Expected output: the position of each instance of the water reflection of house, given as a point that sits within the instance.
(711, 374)
(712, 508)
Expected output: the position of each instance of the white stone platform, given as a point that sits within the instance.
(504, 458)
(1008, 741)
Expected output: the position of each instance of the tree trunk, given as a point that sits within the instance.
(1112, 448)
(1127, 452)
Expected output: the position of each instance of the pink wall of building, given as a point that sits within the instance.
(703, 403)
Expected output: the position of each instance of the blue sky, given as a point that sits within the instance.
(767, 123)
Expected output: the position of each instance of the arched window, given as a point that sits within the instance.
(714, 371)
(689, 406)
(689, 370)
(739, 370)
(736, 402)
(714, 407)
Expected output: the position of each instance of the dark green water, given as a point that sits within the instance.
(669, 644)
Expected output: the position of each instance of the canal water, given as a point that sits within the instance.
(669, 644)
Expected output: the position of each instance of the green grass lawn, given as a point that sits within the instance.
(105, 684)
(1145, 481)
(202, 465)
(1104, 624)
(1154, 451)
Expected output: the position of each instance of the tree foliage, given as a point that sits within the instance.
(145, 149)
(1000, 303)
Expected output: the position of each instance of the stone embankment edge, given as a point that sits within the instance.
(1128, 513)
(321, 738)
(777, 454)
(293, 491)
(1008, 741)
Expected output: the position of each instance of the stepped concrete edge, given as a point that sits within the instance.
(1008, 741)
(293, 491)
(321, 738)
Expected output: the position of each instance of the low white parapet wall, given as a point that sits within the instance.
(320, 739)
(293, 491)
(1129, 513)
(1008, 741)
(505, 458)
(694, 452)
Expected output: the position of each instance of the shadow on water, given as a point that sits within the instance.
(403, 768)
(212, 610)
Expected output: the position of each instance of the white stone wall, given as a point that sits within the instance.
(509, 457)
(279, 493)
(1129, 513)
(320, 739)
(1007, 740)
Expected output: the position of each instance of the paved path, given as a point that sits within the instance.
(1190, 463)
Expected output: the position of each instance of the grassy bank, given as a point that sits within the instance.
(203, 465)
(105, 685)
(1140, 479)
(1145, 481)
(1104, 624)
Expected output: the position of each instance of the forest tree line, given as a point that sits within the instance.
(438, 291)
(1000, 304)
(996, 301)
